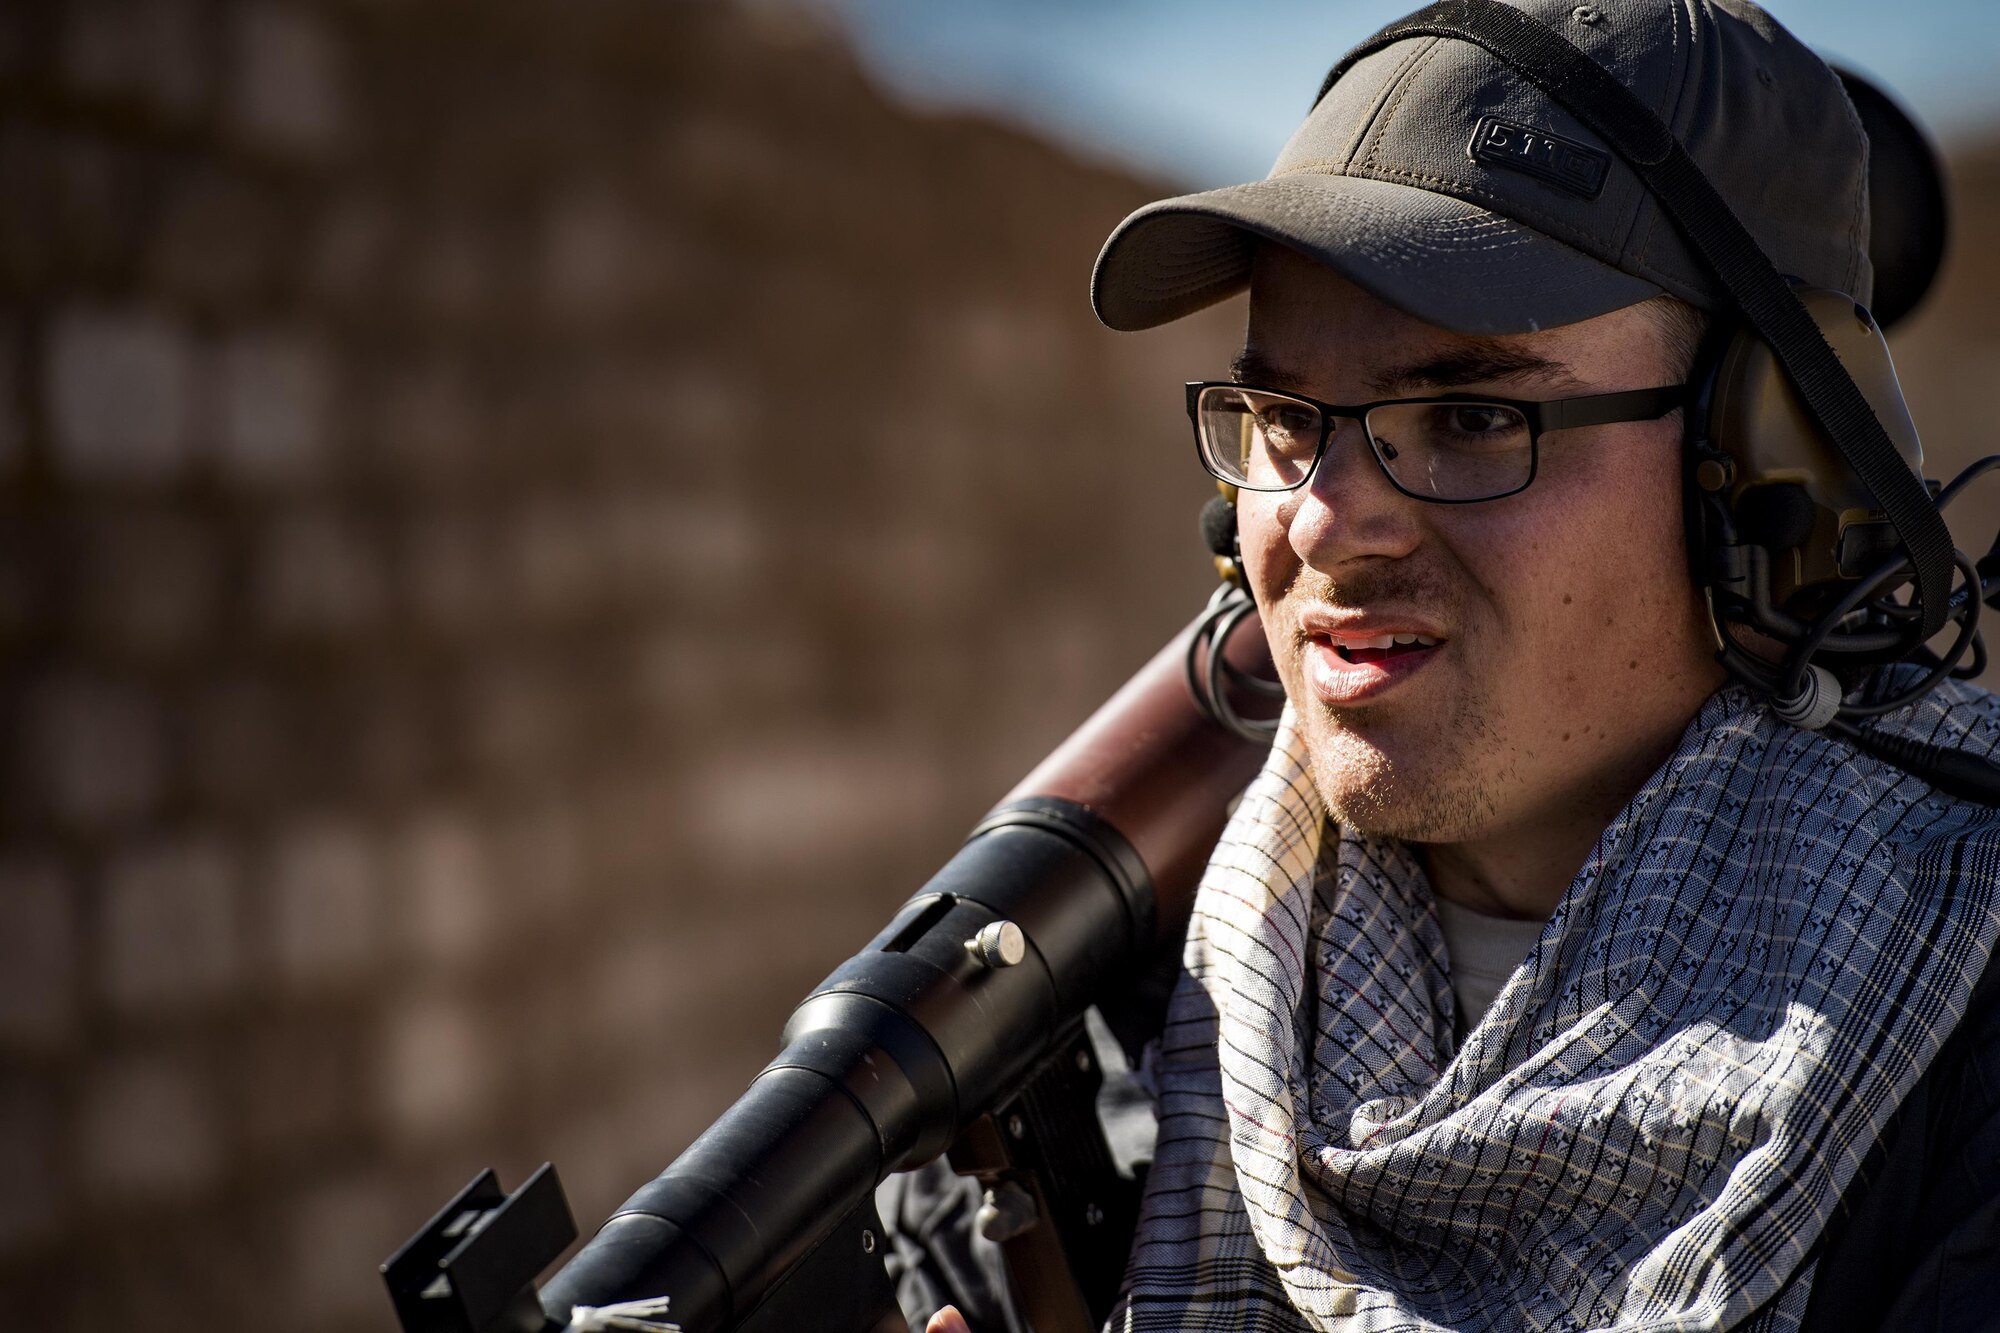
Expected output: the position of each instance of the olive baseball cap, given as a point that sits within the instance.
(1450, 187)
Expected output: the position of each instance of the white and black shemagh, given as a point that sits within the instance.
(1652, 1125)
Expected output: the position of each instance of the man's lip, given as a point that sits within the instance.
(1366, 625)
(1337, 681)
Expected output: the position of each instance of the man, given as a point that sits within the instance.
(1545, 978)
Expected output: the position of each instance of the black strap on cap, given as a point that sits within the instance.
(1762, 296)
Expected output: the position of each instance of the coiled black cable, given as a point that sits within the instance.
(1872, 600)
(1211, 676)
(1953, 772)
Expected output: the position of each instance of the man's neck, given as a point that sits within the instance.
(1522, 877)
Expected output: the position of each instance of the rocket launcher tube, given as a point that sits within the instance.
(1074, 882)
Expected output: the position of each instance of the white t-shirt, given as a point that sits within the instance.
(1483, 952)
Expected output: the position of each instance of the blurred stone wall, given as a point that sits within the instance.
(525, 530)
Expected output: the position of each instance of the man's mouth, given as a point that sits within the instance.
(1348, 667)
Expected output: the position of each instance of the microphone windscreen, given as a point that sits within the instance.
(1218, 526)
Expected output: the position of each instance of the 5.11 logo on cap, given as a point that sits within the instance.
(1572, 166)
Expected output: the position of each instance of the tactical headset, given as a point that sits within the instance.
(1806, 511)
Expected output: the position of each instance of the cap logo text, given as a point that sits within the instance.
(1564, 163)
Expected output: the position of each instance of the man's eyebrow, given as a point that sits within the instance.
(1479, 361)
(1253, 367)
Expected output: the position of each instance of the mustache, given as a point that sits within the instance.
(1392, 583)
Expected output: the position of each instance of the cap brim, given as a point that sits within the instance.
(1447, 262)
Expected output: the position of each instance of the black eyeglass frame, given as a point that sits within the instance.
(1593, 409)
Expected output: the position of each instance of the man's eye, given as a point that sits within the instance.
(1481, 419)
(1469, 427)
(1288, 419)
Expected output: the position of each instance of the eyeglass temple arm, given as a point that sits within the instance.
(1600, 409)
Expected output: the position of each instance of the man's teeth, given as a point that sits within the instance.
(1383, 641)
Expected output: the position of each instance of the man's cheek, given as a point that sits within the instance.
(1271, 568)
(1262, 537)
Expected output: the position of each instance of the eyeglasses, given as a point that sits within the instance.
(1454, 449)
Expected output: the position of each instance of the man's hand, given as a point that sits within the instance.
(948, 1320)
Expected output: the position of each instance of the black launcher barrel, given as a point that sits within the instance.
(1077, 878)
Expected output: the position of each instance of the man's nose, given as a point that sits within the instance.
(1349, 508)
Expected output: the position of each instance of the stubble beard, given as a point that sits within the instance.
(1428, 785)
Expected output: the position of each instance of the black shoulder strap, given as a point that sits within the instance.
(1762, 296)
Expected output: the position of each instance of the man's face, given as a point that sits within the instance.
(1571, 647)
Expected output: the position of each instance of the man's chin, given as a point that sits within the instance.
(1400, 787)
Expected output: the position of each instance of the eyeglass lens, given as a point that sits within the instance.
(1449, 451)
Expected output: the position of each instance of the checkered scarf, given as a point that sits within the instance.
(1652, 1126)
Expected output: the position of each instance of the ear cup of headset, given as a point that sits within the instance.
(1761, 475)
(1757, 472)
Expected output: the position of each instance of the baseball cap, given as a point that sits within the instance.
(1450, 187)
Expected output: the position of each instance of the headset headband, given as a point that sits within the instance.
(1760, 294)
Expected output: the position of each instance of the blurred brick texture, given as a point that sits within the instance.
(525, 530)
